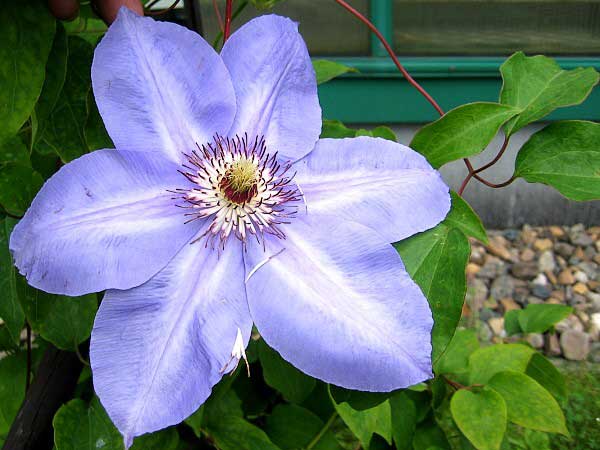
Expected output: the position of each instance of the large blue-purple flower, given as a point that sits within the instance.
(221, 208)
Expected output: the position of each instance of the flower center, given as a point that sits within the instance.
(240, 188)
(239, 182)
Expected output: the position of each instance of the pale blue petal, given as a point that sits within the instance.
(336, 302)
(158, 349)
(275, 86)
(378, 183)
(161, 86)
(105, 220)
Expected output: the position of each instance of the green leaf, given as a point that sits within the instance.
(292, 427)
(282, 376)
(264, 5)
(18, 185)
(548, 376)
(167, 439)
(65, 131)
(78, 426)
(195, 421)
(327, 70)
(511, 322)
(225, 404)
(529, 404)
(64, 321)
(436, 261)
(429, 436)
(96, 135)
(26, 32)
(540, 318)
(56, 72)
(14, 150)
(537, 85)
(11, 312)
(358, 400)
(368, 421)
(481, 416)
(456, 357)
(464, 131)
(13, 369)
(566, 156)
(488, 361)
(234, 433)
(404, 420)
(463, 217)
(336, 130)
(384, 133)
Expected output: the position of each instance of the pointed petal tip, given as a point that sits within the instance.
(127, 441)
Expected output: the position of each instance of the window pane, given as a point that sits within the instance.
(476, 27)
(327, 28)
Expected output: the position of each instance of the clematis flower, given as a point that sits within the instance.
(221, 208)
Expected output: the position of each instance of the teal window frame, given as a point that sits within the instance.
(379, 94)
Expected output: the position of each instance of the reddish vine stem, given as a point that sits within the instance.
(388, 48)
(228, 11)
(218, 14)
(473, 173)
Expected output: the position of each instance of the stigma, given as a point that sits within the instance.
(240, 188)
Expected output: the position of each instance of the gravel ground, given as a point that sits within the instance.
(538, 265)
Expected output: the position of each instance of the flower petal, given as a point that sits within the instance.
(337, 303)
(275, 85)
(159, 85)
(378, 183)
(102, 221)
(158, 349)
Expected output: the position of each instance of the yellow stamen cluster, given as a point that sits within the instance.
(241, 176)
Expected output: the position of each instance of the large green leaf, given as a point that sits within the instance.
(488, 361)
(481, 416)
(65, 131)
(540, 318)
(537, 85)
(14, 150)
(26, 32)
(167, 439)
(96, 135)
(282, 376)
(462, 132)
(404, 420)
(64, 321)
(56, 72)
(548, 376)
(436, 261)
(358, 400)
(463, 217)
(18, 185)
(367, 422)
(326, 70)
(566, 156)
(13, 369)
(235, 433)
(11, 312)
(529, 404)
(78, 426)
(292, 427)
(429, 436)
(456, 357)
